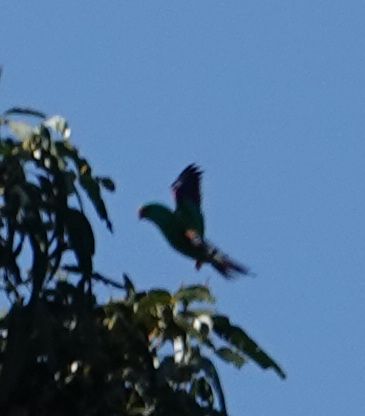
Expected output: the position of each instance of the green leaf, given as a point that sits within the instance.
(239, 339)
(197, 293)
(228, 355)
(188, 328)
(153, 298)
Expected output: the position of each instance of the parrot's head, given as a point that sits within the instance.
(150, 211)
(156, 213)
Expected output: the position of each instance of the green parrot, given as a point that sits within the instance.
(184, 227)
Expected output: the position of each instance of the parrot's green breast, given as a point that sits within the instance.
(174, 225)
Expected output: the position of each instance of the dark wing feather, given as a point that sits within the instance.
(187, 186)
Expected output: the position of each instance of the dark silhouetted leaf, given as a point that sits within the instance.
(92, 189)
(106, 182)
(66, 150)
(88, 183)
(7, 147)
(81, 238)
(239, 339)
(202, 390)
(176, 373)
(61, 352)
(128, 286)
(25, 111)
(206, 365)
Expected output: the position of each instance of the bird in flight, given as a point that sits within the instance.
(184, 227)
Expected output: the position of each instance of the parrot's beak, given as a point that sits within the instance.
(141, 213)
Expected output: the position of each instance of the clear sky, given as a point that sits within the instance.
(269, 98)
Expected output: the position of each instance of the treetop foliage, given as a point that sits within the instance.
(61, 351)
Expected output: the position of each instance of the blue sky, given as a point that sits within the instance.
(269, 98)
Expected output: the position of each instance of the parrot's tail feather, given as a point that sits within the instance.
(227, 267)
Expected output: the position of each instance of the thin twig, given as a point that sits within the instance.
(108, 281)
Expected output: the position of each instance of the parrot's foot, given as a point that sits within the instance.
(198, 264)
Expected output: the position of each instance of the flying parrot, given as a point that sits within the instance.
(184, 227)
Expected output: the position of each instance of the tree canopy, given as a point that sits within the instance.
(63, 352)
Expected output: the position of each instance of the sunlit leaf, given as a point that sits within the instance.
(228, 355)
(204, 324)
(197, 293)
(154, 298)
(22, 130)
(60, 125)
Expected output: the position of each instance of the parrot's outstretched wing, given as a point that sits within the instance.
(186, 187)
(187, 193)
